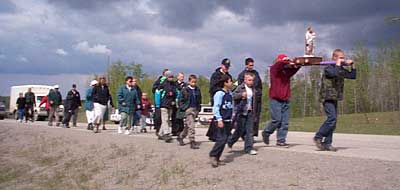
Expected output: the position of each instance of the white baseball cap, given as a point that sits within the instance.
(93, 82)
(56, 86)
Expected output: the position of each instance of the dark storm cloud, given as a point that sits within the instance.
(7, 6)
(319, 11)
(189, 14)
(84, 4)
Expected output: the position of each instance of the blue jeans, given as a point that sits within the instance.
(221, 137)
(280, 119)
(328, 127)
(244, 128)
(21, 113)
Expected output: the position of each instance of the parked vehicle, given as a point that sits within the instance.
(3, 113)
(205, 115)
(40, 92)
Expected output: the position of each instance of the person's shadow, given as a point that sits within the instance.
(233, 154)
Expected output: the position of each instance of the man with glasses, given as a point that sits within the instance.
(249, 68)
(331, 92)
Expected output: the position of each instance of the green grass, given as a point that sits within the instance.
(383, 123)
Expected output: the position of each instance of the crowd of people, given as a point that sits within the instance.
(177, 104)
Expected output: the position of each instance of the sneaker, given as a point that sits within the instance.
(104, 128)
(265, 138)
(193, 145)
(143, 131)
(252, 152)
(57, 124)
(214, 162)
(89, 126)
(74, 125)
(319, 144)
(119, 130)
(220, 162)
(282, 144)
(329, 147)
(127, 132)
(180, 141)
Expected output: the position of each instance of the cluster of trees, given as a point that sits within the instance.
(377, 88)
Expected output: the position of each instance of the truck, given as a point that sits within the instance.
(40, 91)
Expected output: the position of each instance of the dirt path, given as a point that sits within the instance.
(34, 156)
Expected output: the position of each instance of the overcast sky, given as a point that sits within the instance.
(65, 41)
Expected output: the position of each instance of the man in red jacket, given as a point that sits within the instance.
(279, 94)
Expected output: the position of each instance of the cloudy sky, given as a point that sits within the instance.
(65, 41)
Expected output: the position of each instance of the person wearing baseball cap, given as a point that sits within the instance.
(55, 100)
(71, 107)
(279, 93)
(89, 105)
(214, 87)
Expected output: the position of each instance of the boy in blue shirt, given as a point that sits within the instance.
(222, 110)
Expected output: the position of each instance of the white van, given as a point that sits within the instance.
(40, 91)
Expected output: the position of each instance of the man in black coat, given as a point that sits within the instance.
(214, 80)
(71, 106)
(249, 64)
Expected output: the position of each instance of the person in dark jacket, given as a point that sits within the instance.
(157, 110)
(169, 93)
(249, 64)
(279, 93)
(214, 87)
(101, 97)
(20, 107)
(245, 93)
(76, 101)
(136, 115)
(71, 106)
(189, 107)
(330, 93)
(55, 100)
(30, 103)
(178, 124)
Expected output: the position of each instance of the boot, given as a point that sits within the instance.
(193, 145)
(180, 141)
